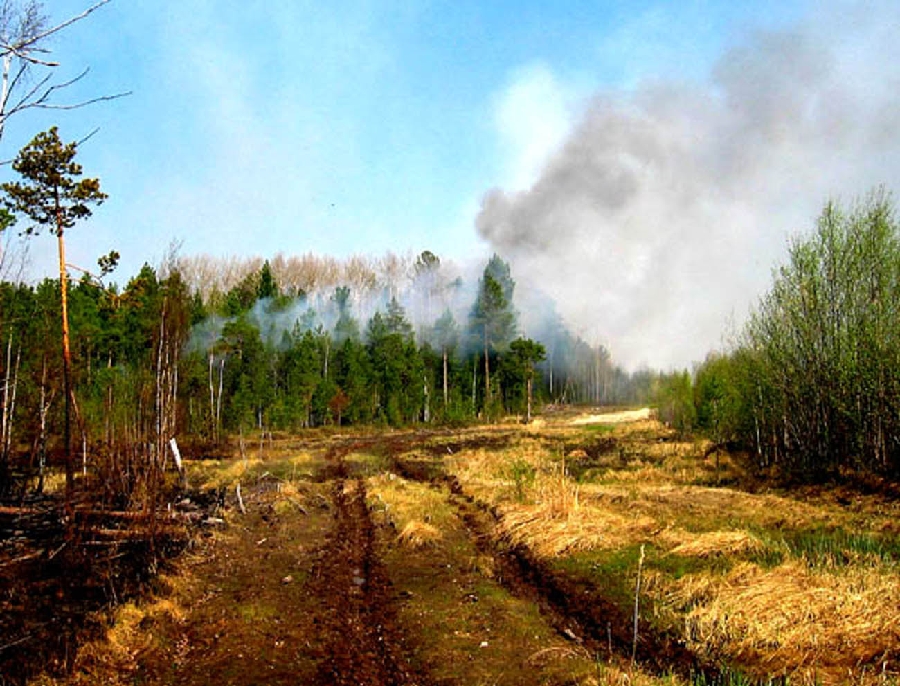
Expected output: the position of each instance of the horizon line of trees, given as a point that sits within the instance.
(811, 387)
(154, 361)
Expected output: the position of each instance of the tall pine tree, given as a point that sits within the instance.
(52, 195)
(493, 320)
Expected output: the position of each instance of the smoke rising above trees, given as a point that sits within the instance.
(660, 215)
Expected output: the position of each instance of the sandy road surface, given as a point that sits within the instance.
(613, 417)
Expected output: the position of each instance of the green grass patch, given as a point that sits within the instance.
(254, 612)
(677, 566)
(733, 677)
(826, 547)
(840, 547)
(614, 569)
(622, 564)
(522, 473)
(370, 463)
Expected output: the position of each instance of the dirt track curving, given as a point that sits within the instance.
(576, 608)
(621, 417)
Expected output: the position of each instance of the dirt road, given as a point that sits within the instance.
(363, 643)
(316, 583)
(488, 555)
(612, 417)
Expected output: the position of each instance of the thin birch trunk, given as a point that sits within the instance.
(446, 387)
(212, 398)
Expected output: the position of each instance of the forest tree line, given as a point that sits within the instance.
(158, 359)
(811, 386)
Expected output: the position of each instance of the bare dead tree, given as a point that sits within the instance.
(14, 258)
(393, 272)
(24, 34)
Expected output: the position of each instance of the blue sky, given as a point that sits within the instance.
(643, 163)
(342, 127)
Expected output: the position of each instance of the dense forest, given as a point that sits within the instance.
(202, 349)
(390, 342)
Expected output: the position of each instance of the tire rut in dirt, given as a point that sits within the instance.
(362, 642)
(576, 608)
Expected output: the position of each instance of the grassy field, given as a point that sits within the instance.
(516, 554)
(799, 584)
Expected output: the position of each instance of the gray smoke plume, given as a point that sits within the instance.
(662, 215)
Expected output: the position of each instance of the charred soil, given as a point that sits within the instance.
(60, 580)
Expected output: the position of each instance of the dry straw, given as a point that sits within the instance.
(793, 618)
(418, 535)
(717, 543)
(585, 528)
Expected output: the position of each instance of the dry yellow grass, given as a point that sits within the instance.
(799, 619)
(418, 535)
(418, 513)
(54, 481)
(712, 543)
(287, 465)
(705, 507)
(543, 529)
(112, 657)
(484, 475)
(673, 447)
(792, 619)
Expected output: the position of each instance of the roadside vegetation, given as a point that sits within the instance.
(810, 387)
(800, 584)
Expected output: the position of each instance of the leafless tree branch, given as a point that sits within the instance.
(88, 137)
(20, 73)
(21, 32)
(84, 103)
(30, 41)
(25, 57)
(29, 96)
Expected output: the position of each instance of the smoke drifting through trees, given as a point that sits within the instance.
(661, 214)
(420, 345)
(320, 293)
(308, 283)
